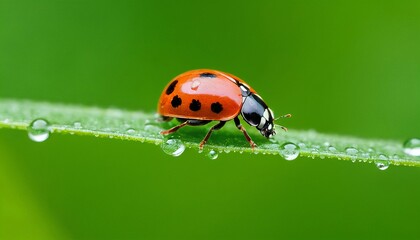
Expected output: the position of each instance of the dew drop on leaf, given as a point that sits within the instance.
(131, 131)
(289, 151)
(352, 152)
(77, 125)
(412, 147)
(38, 130)
(213, 155)
(383, 162)
(332, 149)
(173, 147)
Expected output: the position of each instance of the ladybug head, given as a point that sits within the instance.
(256, 113)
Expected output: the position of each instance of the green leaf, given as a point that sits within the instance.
(143, 127)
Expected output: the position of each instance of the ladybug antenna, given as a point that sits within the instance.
(284, 116)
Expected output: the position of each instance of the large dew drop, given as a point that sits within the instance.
(38, 130)
(412, 147)
(173, 147)
(289, 151)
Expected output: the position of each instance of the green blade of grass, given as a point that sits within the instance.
(143, 127)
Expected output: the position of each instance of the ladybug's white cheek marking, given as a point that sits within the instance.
(262, 123)
(266, 114)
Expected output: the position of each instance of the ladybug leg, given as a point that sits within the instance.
(215, 127)
(174, 129)
(242, 129)
(190, 122)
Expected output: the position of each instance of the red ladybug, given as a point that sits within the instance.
(198, 97)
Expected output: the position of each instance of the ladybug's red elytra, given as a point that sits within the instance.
(198, 97)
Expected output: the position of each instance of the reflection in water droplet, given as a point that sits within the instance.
(173, 147)
(38, 130)
(289, 151)
(383, 162)
(195, 84)
(213, 155)
(412, 147)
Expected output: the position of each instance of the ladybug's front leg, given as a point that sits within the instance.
(243, 130)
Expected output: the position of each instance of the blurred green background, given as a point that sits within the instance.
(343, 67)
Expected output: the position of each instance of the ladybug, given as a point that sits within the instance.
(198, 97)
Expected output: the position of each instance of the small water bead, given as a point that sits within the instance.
(365, 155)
(352, 152)
(38, 130)
(213, 155)
(383, 162)
(173, 147)
(131, 131)
(289, 151)
(412, 147)
(332, 149)
(77, 125)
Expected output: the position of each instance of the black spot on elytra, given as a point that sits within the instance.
(195, 105)
(207, 74)
(216, 107)
(176, 101)
(171, 87)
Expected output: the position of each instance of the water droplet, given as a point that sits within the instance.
(131, 131)
(77, 125)
(289, 151)
(352, 152)
(173, 147)
(38, 130)
(383, 162)
(332, 149)
(213, 155)
(365, 155)
(195, 84)
(302, 145)
(412, 147)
